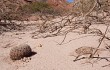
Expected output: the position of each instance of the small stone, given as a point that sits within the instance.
(40, 45)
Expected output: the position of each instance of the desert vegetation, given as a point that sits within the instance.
(80, 15)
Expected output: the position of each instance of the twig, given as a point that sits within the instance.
(106, 58)
(78, 38)
(63, 39)
(80, 59)
(91, 8)
(100, 41)
(106, 65)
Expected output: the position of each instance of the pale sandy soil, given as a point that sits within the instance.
(50, 56)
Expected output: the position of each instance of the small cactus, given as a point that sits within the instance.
(84, 50)
(20, 51)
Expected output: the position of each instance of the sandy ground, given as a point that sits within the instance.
(50, 56)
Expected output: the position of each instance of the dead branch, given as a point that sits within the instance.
(63, 39)
(106, 65)
(100, 41)
(78, 38)
(105, 58)
(91, 8)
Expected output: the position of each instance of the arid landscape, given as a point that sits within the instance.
(49, 54)
(76, 40)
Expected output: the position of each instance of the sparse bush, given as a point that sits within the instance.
(41, 7)
(9, 10)
(85, 6)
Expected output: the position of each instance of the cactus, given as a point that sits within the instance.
(20, 51)
(84, 50)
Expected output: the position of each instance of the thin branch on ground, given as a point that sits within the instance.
(63, 39)
(106, 65)
(78, 38)
(100, 42)
(105, 58)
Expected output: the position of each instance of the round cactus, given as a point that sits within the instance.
(20, 51)
(84, 50)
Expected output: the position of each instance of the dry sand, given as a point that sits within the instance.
(50, 56)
